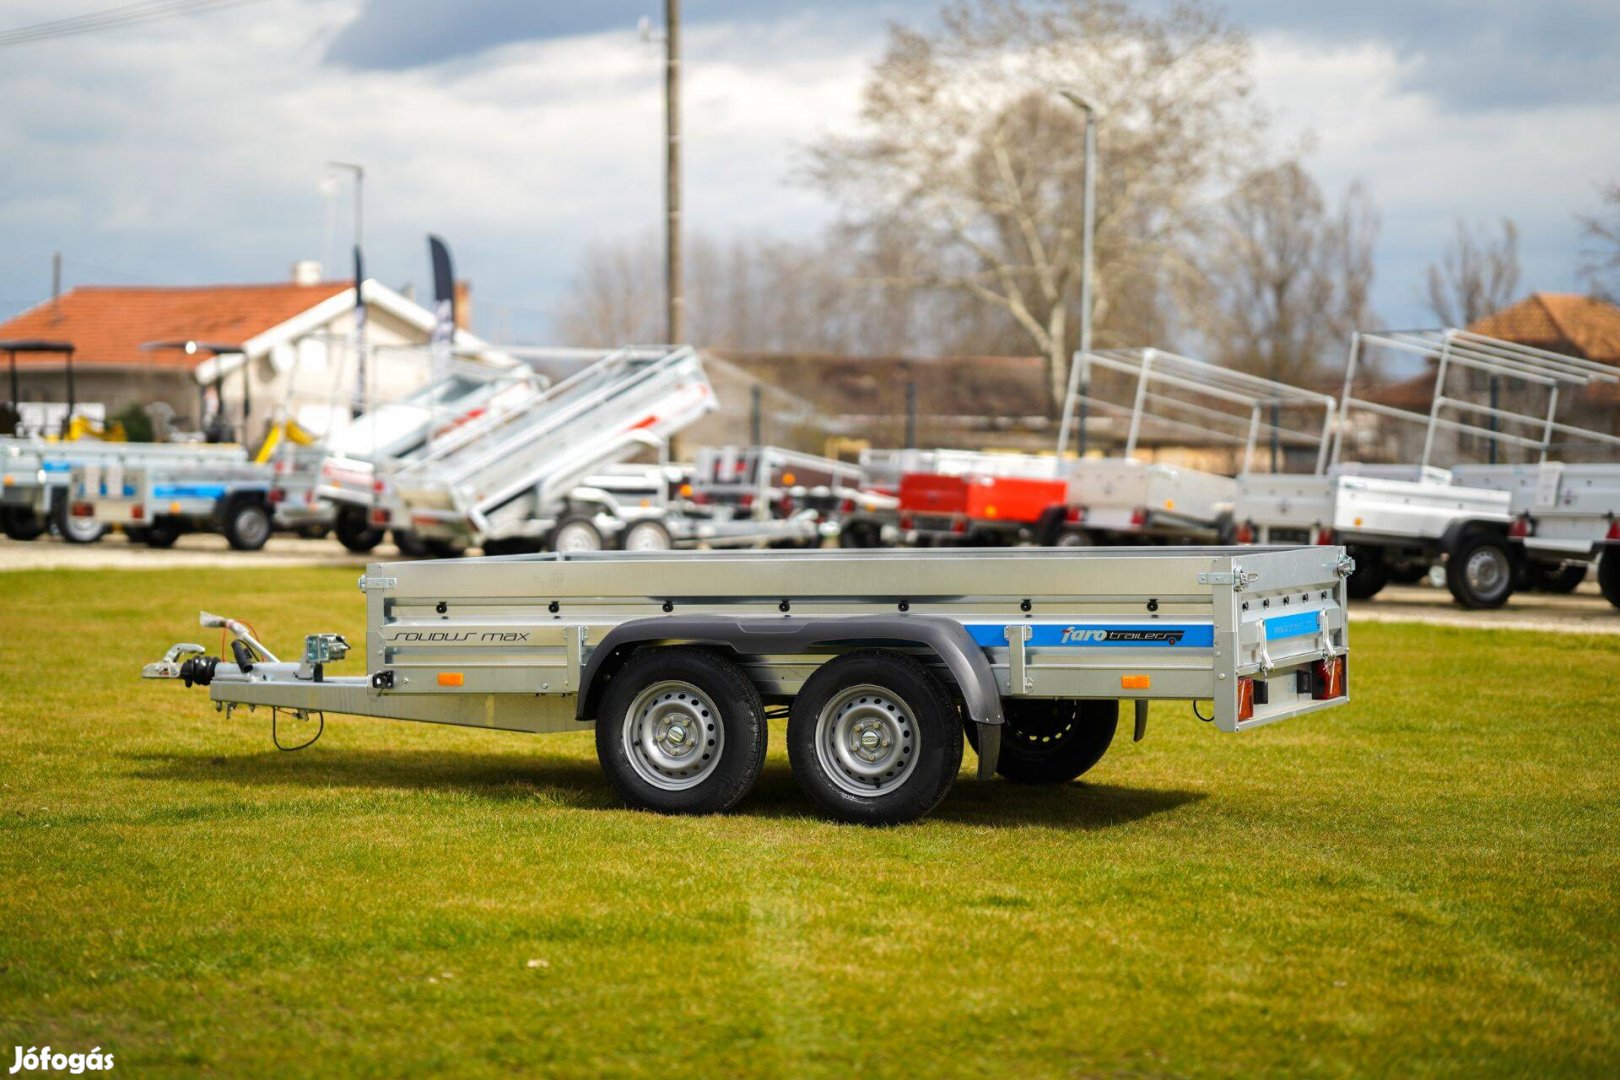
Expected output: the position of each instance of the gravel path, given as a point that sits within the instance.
(1584, 611)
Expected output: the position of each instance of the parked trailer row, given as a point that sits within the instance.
(884, 661)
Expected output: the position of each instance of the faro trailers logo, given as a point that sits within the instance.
(1074, 635)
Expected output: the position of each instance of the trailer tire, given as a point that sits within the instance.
(860, 534)
(409, 544)
(1370, 576)
(1051, 741)
(575, 534)
(75, 530)
(162, 533)
(247, 525)
(1480, 571)
(1076, 538)
(676, 690)
(647, 536)
(20, 523)
(1609, 574)
(354, 530)
(1553, 578)
(914, 752)
(1408, 573)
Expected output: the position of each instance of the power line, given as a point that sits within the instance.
(110, 19)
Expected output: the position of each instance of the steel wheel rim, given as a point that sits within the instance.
(1487, 571)
(577, 536)
(867, 740)
(252, 527)
(83, 528)
(673, 735)
(646, 537)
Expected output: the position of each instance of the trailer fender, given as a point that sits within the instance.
(946, 638)
(1455, 531)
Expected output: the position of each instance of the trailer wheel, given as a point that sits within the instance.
(576, 534)
(1370, 576)
(354, 531)
(1479, 572)
(409, 544)
(20, 523)
(1075, 538)
(75, 530)
(1553, 578)
(647, 536)
(860, 534)
(1051, 742)
(1609, 574)
(162, 533)
(681, 731)
(874, 738)
(247, 526)
(1408, 573)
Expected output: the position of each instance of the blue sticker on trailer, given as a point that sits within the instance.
(1287, 626)
(188, 491)
(1114, 635)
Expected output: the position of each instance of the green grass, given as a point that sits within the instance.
(1422, 884)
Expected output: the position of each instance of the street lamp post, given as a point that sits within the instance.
(1088, 266)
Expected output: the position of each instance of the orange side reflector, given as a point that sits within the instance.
(1135, 682)
(449, 678)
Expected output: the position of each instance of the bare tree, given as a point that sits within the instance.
(968, 152)
(1600, 263)
(1283, 279)
(1476, 276)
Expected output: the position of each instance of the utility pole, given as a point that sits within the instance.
(1088, 267)
(360, 401)
(674, 288)
(56, 284)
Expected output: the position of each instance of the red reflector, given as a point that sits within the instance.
(847, 506)
(1520, 527)
(1074, 515)
(1327, 679)
(83, 510)
(379, 486)
(642, 424)
(1244, 534)
(959, 526)
(137, 512)
(277, 495)
(1323, 536)
(1245, 703)
(1614, 530)
(379, 516)
(1139, 516)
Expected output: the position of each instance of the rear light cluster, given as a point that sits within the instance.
(1139, 517)
(1244, 534)
(83, 509)
(1522, 527)
(1323, 537)
(1323, 680)
(137, 512)
(1074, 515)
(277, 495)
(380, 516)
(1614, 530)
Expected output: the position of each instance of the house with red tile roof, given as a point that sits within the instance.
(263, 351)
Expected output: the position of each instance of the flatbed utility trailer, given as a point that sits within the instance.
(882, 660)
(158, 501)
(1400, 520)
(771, 485)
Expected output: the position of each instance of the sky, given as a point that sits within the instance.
(193, 149)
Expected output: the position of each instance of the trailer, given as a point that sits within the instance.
(353, 474)
(1401, 520)
(1123, 499)
(510, 484)
(881, 661)
(39, 478)
(983, 499)
(772, 484)
(158, 501)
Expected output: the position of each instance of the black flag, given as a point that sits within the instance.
(444, 307)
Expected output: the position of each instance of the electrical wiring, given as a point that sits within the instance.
(111, 19)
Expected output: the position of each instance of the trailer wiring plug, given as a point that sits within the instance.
(298, 714)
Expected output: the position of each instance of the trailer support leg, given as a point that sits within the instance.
(1141, 720)
(989, 749)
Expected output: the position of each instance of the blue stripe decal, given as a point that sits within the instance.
(188, 491)
(1108, 635)
(56, 466)
(1286, 626)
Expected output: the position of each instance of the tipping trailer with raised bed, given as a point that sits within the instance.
(881, 661)
(511, 484)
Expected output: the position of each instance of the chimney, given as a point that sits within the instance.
(306, 272)
(464, 305)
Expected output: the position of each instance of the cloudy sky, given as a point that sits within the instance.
(192, 149)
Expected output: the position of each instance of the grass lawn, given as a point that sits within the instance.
(1425, 883)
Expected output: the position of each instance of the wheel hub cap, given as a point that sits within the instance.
(1486, 571)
